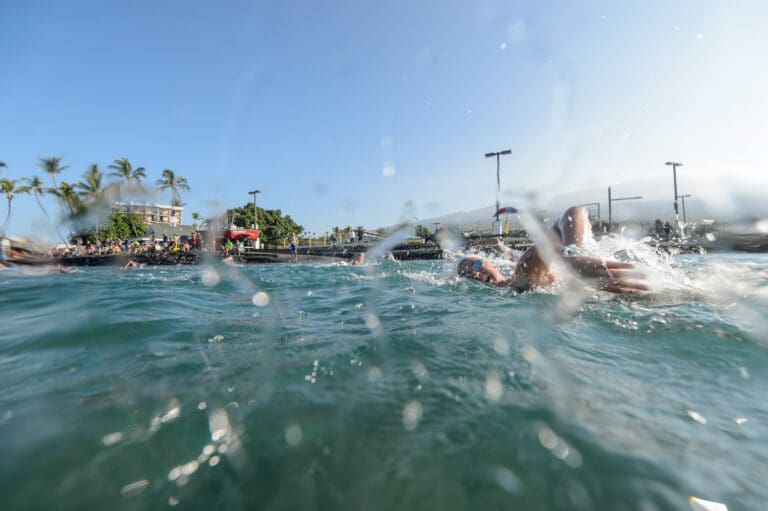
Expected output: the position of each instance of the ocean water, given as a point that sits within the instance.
(390, 386)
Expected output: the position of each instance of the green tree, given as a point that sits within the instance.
(273, 226)
(3, 165)
(36, 188)
(90, 189)
(52, 165)
(421, 232)
(67, 195)
(10, 187)
(119, 225)
(170, 181)
(195, 218)
(129, 180)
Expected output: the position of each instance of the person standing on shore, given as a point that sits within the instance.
(294, 248)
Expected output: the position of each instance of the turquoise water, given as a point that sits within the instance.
(390, 386)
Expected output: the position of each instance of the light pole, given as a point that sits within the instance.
(674, 176)
(683, 197)
(436, 224)
(257, 243)
(611, 200)
(255, 211)
(498, 178)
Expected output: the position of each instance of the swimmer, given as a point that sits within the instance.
(569, 235)
(358, 259)
(130, 264)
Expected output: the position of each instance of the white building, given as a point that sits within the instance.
(153, 213)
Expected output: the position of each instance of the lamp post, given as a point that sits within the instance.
(611, 200)
(498, 177)
(683, 197)
(436, 224)
(256, 243)
(674, 166)
(255, 211)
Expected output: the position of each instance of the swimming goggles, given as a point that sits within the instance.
(477, 265)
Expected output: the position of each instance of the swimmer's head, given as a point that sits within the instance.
(479, 269)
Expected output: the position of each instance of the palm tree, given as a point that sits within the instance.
(195, 218)
(3, 165)
(52, 165)
(123, 169)
(35, 185)
(67, 194)
(173, 182)
(10, 188)
(91, 188)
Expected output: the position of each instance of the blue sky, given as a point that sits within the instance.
(349, 112)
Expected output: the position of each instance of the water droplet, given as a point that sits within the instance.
(503, 46)
(501, 346)
(202, 405)
(293, 434)
(214, 461)
(260, 299)
(374, 374)
(134, 489)
(111, 438)
(412, 412)
(507, 480)
(172, 501)
(373, 323)
(389, 170)
(210, 277)
(493, 387)
(739, 420)
(548, 438)
(697, 416)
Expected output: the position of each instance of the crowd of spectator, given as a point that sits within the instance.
(131, 247)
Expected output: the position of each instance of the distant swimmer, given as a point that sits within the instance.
(358, 259)
(569, 235)
(130, 264)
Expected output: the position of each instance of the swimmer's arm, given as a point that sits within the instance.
(611, 275)
(531, 272)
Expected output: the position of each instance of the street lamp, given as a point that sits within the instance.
(610, 206)
(498, 177)
(255, 211)
(683, 197)
(674, 176)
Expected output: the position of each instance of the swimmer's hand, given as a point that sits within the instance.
(613, 276)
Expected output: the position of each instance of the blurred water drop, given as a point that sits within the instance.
(293, 434)
(374, 374)
(260, 299)
(134, 489)
(214, 461)
(501, 346)
(493, 386)
(172, 501)
(111, 438)
(373, 323)
(210, 277)
(696, 416)
(507, 480)
(739, 420)
(412, 413)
